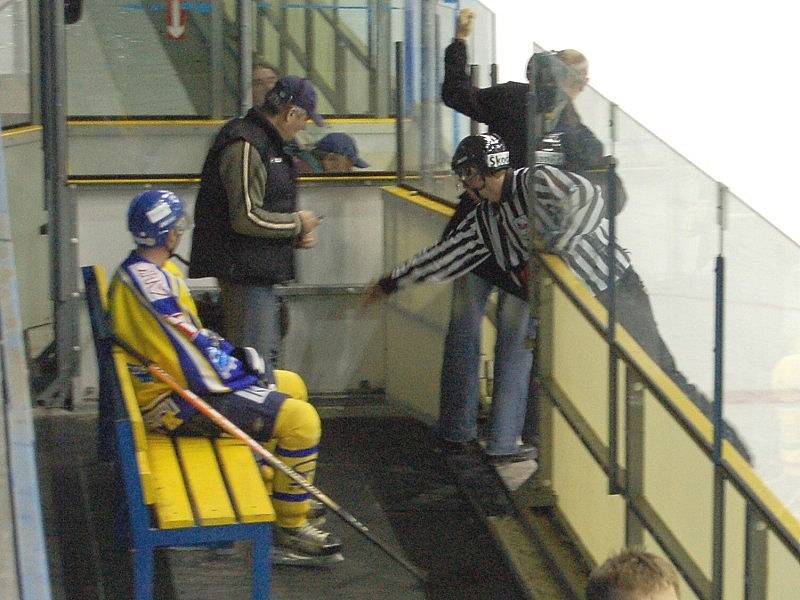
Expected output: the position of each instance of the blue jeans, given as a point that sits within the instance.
(458, 405)
(251, 318)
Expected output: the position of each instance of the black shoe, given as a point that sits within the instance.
(523, 453)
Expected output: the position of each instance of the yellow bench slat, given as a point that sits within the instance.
(146, 475)
(172, 505)
(129, 397)
(204, 481)
(246, 485)
(137, 426)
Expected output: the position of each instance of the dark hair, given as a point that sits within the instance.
(266, 65)
(630, 574)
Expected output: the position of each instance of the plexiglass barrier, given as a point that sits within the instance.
(143, 59)
(682, 336)
(432, 131)
(15, 63)
(762, 346)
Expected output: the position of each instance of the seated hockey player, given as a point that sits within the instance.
(152, 310)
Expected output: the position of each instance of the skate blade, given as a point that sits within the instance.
(282, 556)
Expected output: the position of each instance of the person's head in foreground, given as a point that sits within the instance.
(157, 220)
(633, 575)
(480, 163)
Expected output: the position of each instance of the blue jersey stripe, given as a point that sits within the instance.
(296, 453)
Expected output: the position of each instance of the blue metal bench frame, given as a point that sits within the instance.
(145, 538)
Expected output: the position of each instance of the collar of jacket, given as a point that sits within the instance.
(275, 138)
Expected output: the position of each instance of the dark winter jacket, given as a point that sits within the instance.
(246, 224)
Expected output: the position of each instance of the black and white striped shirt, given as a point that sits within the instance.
(567, 207)
(589, 259)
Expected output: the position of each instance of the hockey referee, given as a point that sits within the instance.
(567, 207)
(569, 220)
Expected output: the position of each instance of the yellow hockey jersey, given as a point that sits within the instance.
(153, 311)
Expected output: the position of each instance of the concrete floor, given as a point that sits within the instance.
(382, 470)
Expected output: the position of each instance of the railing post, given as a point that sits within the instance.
(755, 555)
(245, 15)
(634, 455)
(438, 150)
(540, 291)
(218, 61)
(611, 331)
(428, 90)
(62, 217)
(540, 406)
(400, 109)
(283, 36)
(339, 64)
(612, 128)
(718, 546)
(308, 19)
(380, 56)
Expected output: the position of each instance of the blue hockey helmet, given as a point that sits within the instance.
(151, 216)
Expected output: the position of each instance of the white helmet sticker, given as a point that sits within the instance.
(497, 160)
(158, 212)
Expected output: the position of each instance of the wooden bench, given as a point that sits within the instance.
(179, 491)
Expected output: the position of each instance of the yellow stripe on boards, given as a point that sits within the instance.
(419, 199)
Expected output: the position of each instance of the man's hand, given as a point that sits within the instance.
(464, 23)
(307, 240)
(375, 294)
(308, 221)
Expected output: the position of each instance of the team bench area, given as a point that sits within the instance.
(178, 491)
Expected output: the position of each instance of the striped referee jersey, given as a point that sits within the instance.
(567, 207)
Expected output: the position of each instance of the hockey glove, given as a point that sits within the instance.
(251, 360)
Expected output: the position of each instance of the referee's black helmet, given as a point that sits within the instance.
(486, 152)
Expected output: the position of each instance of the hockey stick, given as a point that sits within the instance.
(224, 424)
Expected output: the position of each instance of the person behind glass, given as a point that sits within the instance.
(497, 228)
(152, 310)
(265, 76)
(334, 153)
(504, 109)
(247, 222)
(634, 575)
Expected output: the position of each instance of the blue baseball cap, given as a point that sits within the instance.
(299, 92)
(341, 143)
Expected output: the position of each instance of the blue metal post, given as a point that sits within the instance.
(719, 472)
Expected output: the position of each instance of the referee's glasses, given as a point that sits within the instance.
(468, 177)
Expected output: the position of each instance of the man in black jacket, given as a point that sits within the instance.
(503, 108)
(246, 220)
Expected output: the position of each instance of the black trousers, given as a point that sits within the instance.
(635, 313)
